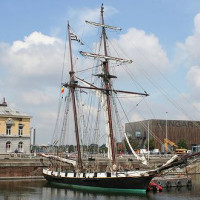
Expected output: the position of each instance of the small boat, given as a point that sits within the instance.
(154, 187)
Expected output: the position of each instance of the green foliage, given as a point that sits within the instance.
(151, 144)
(182, 144)
(71, 148)
(93, 148)
(103, 149)
(133, 142)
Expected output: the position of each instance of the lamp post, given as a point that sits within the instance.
(148, 140)
(31, 135)
(166, 125)
(166, 134)
(32, 138)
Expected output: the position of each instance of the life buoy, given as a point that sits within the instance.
(189, 182)
(168, 184)
(178, 183)
(159, 183)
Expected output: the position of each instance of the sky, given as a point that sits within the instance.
(162, 37)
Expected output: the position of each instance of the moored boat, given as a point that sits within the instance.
(113, 179)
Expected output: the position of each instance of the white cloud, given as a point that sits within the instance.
(189, 60)
(37, 55)
(31, 77)
(197, 23)
(142, 48)
(33, 66)
(35, 38)
(149, 58)
(190, 49)
(193, 77)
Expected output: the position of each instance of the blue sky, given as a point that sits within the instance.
(158, 17)
(32, 38)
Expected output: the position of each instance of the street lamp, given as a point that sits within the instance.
(166, 133)
(166, 125)
(148, 140)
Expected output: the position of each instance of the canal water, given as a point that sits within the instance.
(36, 190)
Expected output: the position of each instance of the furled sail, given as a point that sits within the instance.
(65, 160)
(93, 55)
(141, 158)
(103, 25)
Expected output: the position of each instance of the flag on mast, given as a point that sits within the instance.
(75, 37)
(62, 89)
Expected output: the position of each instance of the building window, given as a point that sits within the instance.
(137, 134)
(8, 129)
(20, 130)
(8, 146)
(20, 147)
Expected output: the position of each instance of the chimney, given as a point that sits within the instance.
(4, 102)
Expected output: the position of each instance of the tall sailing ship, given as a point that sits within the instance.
(112, 178)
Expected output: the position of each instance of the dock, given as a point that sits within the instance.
(169, 181)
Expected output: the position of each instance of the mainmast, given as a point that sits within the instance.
(106, 76)
(72, 85)
(106, 79)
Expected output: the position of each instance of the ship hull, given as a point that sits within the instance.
(107, 184)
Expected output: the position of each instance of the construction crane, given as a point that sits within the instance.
(169, 145)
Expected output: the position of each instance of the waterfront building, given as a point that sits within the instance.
(159, 129)
(14, 130)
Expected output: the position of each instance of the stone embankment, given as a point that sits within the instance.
(30, 167)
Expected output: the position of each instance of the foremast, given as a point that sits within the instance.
(72, 85)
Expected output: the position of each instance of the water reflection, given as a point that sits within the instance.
(61, 193)
(34, 190)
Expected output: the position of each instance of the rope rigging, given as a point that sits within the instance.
(92, 126)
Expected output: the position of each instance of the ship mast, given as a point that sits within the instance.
(106, 79)
(72, 85)
(106, 76)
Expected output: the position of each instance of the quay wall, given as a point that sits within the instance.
(21, 168)
(31, 168)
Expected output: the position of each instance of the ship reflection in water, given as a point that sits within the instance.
(34, 190)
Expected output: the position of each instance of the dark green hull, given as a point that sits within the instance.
(107, 184)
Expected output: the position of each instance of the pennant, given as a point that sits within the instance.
(75, 37)
(62, 89)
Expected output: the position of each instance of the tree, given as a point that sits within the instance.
(182, 144)
(103, 149)
(151, 144)
(71, 148)
(133, 142)
(93, 148)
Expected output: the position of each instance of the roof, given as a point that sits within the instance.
(8, 111)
